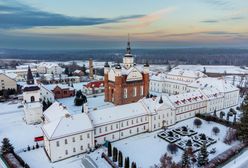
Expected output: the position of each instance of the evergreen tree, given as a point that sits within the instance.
(203, 155)
(161, 100)
(6, 146)
(133, 165)
(109, 150)
(185, 159)
(82, 108)
(243, 126)
(67, 71)
(115, 153)
(215, 113)
(120, 159)
(127, 164)
(84, 70)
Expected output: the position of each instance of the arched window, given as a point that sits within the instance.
(32, 98)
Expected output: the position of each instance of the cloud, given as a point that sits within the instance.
(142, 22)
(17, 15)
(220, 4)
(233, 18)
(210, 33)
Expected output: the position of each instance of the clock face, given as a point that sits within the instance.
(134, 75)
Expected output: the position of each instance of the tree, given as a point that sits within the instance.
(115, 153)
(172, 148)
(66, 71)
(80, 98)
(161, 100)
(6, 146)
(215, 130)
(185, 159)
(133, 165)
(84, 69)
(222, 114)
(203, 155)
(243, 125)
(166, 162)
(127, 164)
(197, 122)
(109, 150)
(37, 145)
(120, 159)
(215, 115)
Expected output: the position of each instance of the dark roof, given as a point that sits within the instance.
(118, 66)
(31, 88)
(106, 64)
(30, 78)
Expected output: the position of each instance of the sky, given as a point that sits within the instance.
(105, 24)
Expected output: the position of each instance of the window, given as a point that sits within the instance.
(73, 139)
(113, 136)
(111, 127)
(88, 145)
(127, 123)
(141, 91)
(74, 149)
(88, 135)
(130, 131)
(57, 143)
(66, 152)
(121, 133)
(66, 141)
(134, 92)
(100, 130)
(138, 129)
(116, 126)
(144, 127)
(32, 99)
(106, 129)
(81, 137)
(82, 148)
(125, 93)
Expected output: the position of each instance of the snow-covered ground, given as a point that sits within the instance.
(93, 103)
(239, 162)
(38, 159)
(13, 126)
(146, 149)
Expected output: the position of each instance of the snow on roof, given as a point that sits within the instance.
(94, 84)
(212, 93)
(152, 104)
(67, 126)
(218, 83)
(47, 64)
(62, 86)
(185, 73)
(117, 113)
(187, 98)
(55, 111)
(215, 68)
(10, 75)
(162, 77)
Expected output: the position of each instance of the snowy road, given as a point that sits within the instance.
(239, 162)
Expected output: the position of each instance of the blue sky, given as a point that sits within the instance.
(87, 24)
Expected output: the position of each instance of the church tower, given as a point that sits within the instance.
(128, 59)
(32, 100)
(126, 83)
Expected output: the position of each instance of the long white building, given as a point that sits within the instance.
(67, 135)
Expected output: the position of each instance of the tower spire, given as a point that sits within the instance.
(30, 78)
(128, 45)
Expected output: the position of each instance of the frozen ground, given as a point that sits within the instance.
(93, 103)
(37, 159)
(239, 162)
(13, 126)
(146, 149)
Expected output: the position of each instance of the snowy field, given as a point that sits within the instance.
(38, 159)
(146, 149)
(13, 126)
(239, 162)
(93, 103)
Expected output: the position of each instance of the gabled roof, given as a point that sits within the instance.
(94, 84)
(67, 126)
(55, 111)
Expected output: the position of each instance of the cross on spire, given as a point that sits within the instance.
(128, 45)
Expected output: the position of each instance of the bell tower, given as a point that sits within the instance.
(32, 100)
(128, 59)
